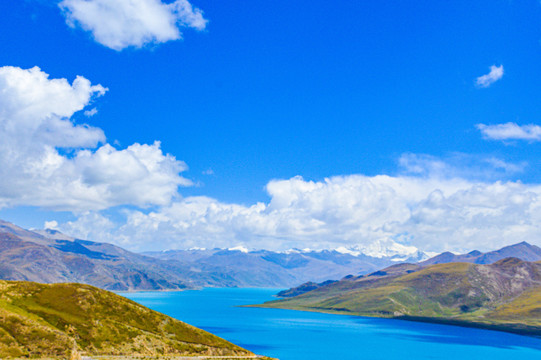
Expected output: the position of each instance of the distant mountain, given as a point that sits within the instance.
(388, 249)
(49, 256)
(70, 320)
(523, 251)
(505, 295)
(240, 267)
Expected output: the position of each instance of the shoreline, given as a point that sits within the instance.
(133, 291)
(513, 328)
(196, 289)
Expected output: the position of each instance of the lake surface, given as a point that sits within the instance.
(298, 335)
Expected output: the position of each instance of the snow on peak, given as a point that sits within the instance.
(385, 248)
(344, 250)
(388, 248)
(195, 248)
(239, 248)
(291, 251)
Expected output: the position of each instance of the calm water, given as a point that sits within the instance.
(297, 335)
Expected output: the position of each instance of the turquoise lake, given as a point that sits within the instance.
(298, 335)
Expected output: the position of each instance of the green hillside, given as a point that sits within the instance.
(505, 295)
(68, 320)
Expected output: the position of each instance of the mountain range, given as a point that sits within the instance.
(263, 268)
(49, 256)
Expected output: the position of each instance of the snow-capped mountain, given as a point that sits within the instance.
(387, 248)
(381, 249)
(240, 266)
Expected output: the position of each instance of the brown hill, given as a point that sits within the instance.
(505, 295)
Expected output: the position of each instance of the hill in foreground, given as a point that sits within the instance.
(505, 295)
(69, 320)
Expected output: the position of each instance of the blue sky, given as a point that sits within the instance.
(273, 90)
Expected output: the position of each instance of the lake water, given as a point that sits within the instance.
(298, 335)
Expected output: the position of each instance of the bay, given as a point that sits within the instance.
(299, 335)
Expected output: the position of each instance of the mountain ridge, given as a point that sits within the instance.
(522, 250)
(49, 256)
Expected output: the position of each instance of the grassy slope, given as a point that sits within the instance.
(58, 320)
(504, 296)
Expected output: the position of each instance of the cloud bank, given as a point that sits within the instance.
(434, 214)
(495, 74)
(48, 160)
(510, 131)
(119, 24)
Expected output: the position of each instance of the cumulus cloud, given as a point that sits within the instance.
(119, 24)
(495, 74)
(484, 216)
(434, 214)
(48, 160)
(510, 131)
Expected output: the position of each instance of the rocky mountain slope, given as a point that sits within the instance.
(69, 320)
(26, 255)
(505, 295)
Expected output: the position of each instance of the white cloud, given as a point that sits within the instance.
(484, 216)
(495, 74)
(119, 24)
(510, 131)
(434, 214)
(49, 161)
